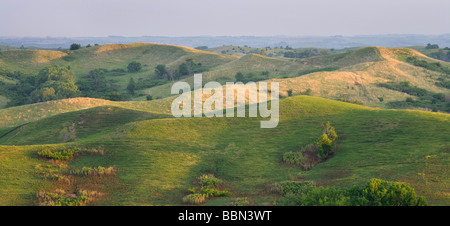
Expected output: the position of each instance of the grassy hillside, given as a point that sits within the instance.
(16, 116)
(157, 159)
(28, 61)
(359, 82)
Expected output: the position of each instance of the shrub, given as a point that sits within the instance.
(59, 198)
(194, 199)
(384, 193)
(294, 157)
(325, 145)
(324, 196)
(240, 202)
(296, 187)
(93, 171)
(208, 188)
(212, 192)
(63, 155)
(289, 199)
(209, 181)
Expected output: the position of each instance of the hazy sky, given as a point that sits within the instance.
(82, 18)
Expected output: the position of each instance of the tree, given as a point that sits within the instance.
(183, 69)
(289, 92)
(149, 97)
(239, 77)
(131, 86)
(161, 71)
(384, 193)
(89, 45)
(430, 46)
(134, 66)
(75, 46)
(54, 82)
(263, 52)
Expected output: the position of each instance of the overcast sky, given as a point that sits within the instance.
(83, 18)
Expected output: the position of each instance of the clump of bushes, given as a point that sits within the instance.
(294, 157)
(296, 187)
(62, 155)
(375, 193)
(93, 171)
(61, 178)
(195, 198)
(311, 154)
(240, 202)
(60, 198)
(209, 186)
(68, 154)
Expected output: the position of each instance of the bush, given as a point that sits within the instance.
(93, 171)
(325, 146)
(212, 192)
(208, 188)
(324, 196)
(240, 202)
(384, 193)
(63, 155)
(194, 199)
(209, 181)
(295, 157)
(376, 193)
(59, 198)
(296, 187)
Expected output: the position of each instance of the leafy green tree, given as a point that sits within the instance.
(131, 86)
(183, 69)
(239, 77)
(161, 71)
(54, 82)
(430, 46)
(384, 193)
(149, 97)
(325, 146)
(263, 52)
(134, 66)
(75, 46)
(289, 92)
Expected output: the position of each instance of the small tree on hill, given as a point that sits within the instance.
(75, 46)
(239, 77)
(131, 86)
(134, 66)
(161, 71)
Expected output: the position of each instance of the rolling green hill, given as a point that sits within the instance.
(156, 159)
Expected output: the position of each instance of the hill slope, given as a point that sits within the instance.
(360, 81)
